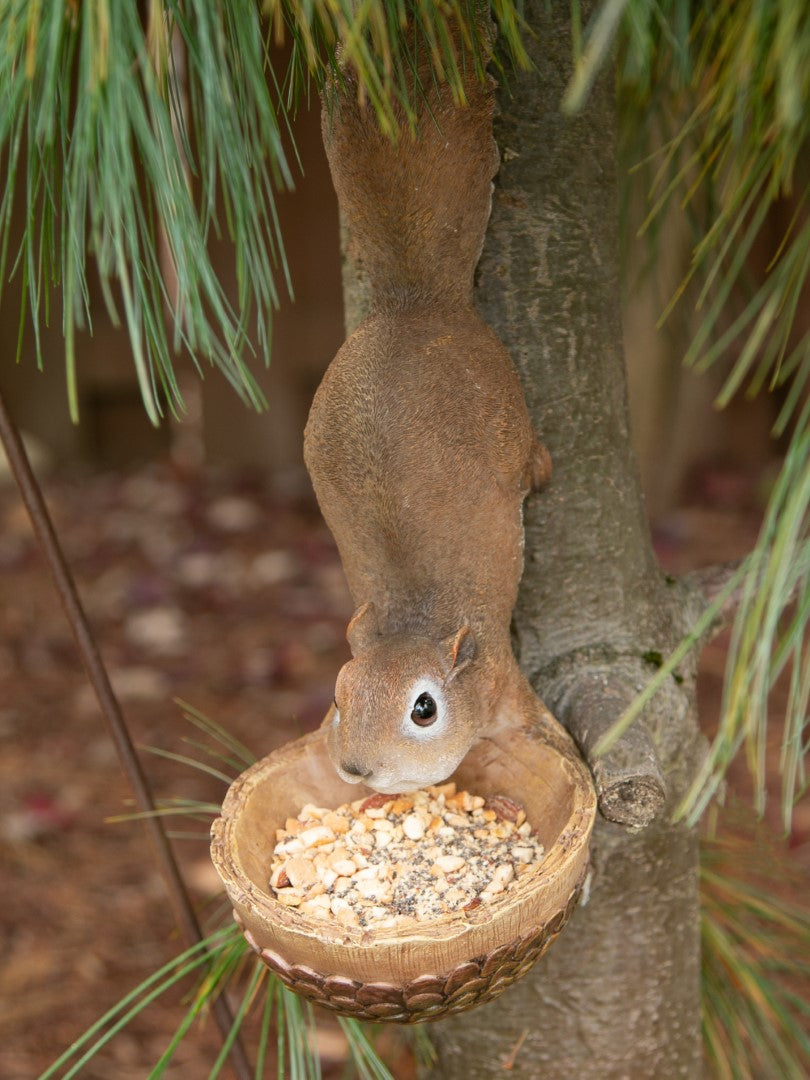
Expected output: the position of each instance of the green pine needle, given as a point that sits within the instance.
(216, 732)
(364, 1057)
(729, 85)
(133, 135)
(194, 763)
(138, 999)
(756, 959)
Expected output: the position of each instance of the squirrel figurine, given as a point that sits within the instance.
(420, 449)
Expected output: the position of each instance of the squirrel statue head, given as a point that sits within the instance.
(405, 707)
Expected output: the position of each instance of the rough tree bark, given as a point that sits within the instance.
(618, 995)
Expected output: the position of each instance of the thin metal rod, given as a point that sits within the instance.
(97, 673)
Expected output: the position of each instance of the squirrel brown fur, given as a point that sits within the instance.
(420, 448)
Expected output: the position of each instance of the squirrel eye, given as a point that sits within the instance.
(424, 710)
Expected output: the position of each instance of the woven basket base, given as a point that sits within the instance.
(427, 997)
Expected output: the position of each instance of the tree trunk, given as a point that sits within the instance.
(618, 994)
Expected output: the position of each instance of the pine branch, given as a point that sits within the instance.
(124, 161)
(629, 782)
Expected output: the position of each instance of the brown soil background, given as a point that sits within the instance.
(218, 591)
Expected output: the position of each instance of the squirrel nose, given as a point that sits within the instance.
(354, 770)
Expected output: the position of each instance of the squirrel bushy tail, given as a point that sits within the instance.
(416, 210)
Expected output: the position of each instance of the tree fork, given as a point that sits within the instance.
(619, 994)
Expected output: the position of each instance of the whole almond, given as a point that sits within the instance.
(375, 802)
(505, 808)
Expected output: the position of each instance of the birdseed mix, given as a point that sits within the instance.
(384, 861)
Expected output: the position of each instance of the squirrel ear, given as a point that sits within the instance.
(461, 650)
(362, 630)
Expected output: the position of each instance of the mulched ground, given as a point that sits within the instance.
(215, 590)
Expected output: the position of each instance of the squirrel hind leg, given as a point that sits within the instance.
(538, 467)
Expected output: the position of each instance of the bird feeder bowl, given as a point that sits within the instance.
(426, 970)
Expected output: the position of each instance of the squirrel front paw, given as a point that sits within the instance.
(538, 467)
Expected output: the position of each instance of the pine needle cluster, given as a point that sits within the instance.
(729, 85)
(134, 139)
